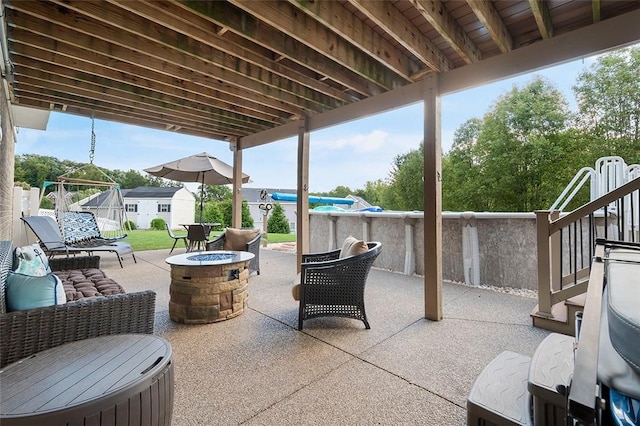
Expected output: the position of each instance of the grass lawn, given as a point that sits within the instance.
(145, 239)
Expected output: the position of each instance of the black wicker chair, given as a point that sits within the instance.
(331, 286)
(23, 333)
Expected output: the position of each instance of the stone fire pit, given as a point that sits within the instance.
(208, 286)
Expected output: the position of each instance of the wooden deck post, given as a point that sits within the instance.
(236, 211)
(302, 204)
(432, 200)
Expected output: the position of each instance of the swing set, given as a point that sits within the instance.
(87, 208)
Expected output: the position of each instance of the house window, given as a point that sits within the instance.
(164, 208)
(131, 208)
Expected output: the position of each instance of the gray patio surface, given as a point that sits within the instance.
(258, 369)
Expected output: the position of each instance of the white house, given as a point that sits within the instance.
(175, 205)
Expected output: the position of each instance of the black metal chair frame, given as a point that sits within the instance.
(176, 238)
(331, 286)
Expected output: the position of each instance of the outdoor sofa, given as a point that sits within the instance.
(87, 314)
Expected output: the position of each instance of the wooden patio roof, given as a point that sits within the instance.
(234, 70)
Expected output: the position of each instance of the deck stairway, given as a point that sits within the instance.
(517, 390)
(564, 314)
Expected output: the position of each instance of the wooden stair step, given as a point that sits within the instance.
(499, 395)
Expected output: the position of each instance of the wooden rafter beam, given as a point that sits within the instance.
(256, 31)
(170, 15)
(389, 18)
(58, 54)
(193, 61)
(435, 12)
(287, 19)
(595, 10)
(340, 20)
(490, 18)
(542, 15)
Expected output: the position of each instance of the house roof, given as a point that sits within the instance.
(236, 70)
(151, 192)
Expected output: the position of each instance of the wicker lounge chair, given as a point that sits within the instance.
(333, 286)
(47, 231)
(23, 333)
(221, 242)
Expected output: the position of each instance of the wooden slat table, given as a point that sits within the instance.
(124, 379)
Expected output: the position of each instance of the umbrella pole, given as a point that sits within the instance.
(201, 197)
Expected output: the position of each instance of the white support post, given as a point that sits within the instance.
(410, 252)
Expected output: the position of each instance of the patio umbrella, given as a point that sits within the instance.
(202, 168)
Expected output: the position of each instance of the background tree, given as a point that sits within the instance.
(373, 192)
(211, 213)
(226, 208)
(608, 96)
(406, 188)
(461, 170)
(277, 222)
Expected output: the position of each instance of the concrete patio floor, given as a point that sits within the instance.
(258, 369)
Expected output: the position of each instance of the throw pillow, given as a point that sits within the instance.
(295, 290)
(352, 246)
(237, 239)
(29, 292)
(31, 260)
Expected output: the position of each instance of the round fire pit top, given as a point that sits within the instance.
(206, 258)
(211, 257)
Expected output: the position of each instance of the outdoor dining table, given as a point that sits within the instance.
(197, 240)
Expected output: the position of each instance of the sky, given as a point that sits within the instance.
(349, 155)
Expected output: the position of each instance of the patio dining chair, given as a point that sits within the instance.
(176, 238)
(197, 236)
(334, 286)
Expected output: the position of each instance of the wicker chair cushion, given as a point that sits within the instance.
(352, 246)
(79, 284)
(30, 292)
(237, 239)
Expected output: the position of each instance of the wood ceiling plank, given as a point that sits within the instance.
(435, 12)
(281, 45)
(67, 56)
(92, 91)
(192, 106)
(372, 77)
(117, 27)
(490, 18)
(595, 10)
(541, 13)
(341, 21)
(100, 53)
(104, 101)
(121, 118)
(172, 16)
(93, 107)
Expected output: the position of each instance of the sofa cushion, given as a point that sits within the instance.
(29, 292)
(82, 283)
(352, 246)
(31, 260)
(237, 239)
